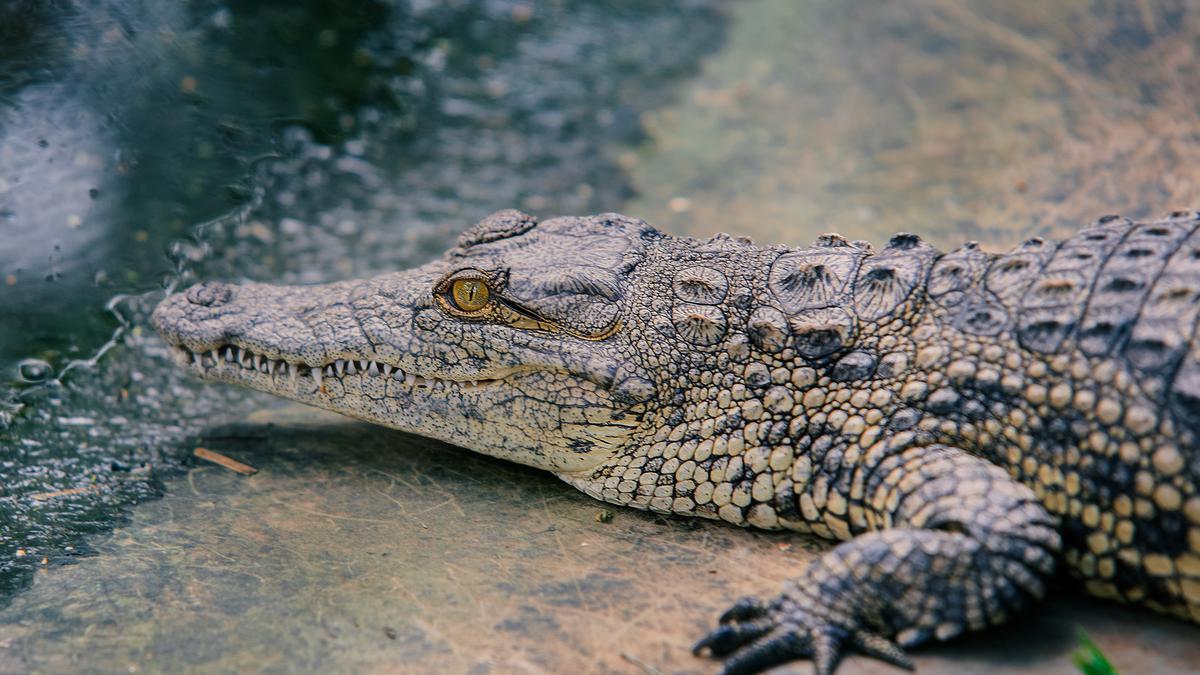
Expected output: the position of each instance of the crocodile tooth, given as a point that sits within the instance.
(271, 366)
(350, 369)
(241, 357)
(216, 356)
(387, 370)
(196, 360)
(410, 379)
(362, 365)
(329, 371)
(258, 361)
(228, 354)
(398, 376)
(261, 366)
(293, 371)
(372, 369)
(340, 367)
(316, 375)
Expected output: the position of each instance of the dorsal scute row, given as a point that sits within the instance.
(887, 279)
(819, 295)
(850, 275)
(1161, 348)
(957, 291)
(1053, 304)
(1160, 337)
(1127, 277)
(1118, 289)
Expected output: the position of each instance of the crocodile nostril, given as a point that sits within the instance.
(210, 294)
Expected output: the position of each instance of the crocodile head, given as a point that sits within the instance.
(516, 343)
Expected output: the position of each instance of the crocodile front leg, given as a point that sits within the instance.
(951, 543)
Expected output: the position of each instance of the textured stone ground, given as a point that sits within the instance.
(958, 119)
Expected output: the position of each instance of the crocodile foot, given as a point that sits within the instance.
(754, 636)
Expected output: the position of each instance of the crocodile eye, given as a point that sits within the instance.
(470, 295)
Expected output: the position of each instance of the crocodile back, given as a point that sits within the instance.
(1098, 379)
(1119, 289)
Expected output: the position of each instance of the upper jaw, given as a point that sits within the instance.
(292, 340)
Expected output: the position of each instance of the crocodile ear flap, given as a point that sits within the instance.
(500, 225)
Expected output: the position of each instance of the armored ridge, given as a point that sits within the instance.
(964, 423)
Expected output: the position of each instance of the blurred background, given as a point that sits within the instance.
(147, 144)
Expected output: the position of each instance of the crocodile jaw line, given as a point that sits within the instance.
(294, 379)
(467, 412)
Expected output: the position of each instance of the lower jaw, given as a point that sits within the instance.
(449, 411)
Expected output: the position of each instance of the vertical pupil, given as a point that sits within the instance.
(470, 294)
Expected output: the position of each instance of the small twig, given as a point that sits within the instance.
(642, 665)
(227, 462)
(42, 496)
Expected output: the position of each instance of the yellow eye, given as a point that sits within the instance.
(470, 295)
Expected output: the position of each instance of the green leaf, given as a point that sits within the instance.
(1089, 659)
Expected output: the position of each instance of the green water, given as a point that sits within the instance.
(146, 145)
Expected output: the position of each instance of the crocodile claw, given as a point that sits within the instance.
(753, 637)
(729, 637)
(746, 608)
(877, 646)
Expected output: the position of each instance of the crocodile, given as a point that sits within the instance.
(971, 427)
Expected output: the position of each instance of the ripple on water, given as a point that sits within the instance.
(34, 371)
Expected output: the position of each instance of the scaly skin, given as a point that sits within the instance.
(964, 423)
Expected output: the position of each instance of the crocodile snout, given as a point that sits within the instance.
(188, 316)
(203, 314)
(210, 294)
(362, 320)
